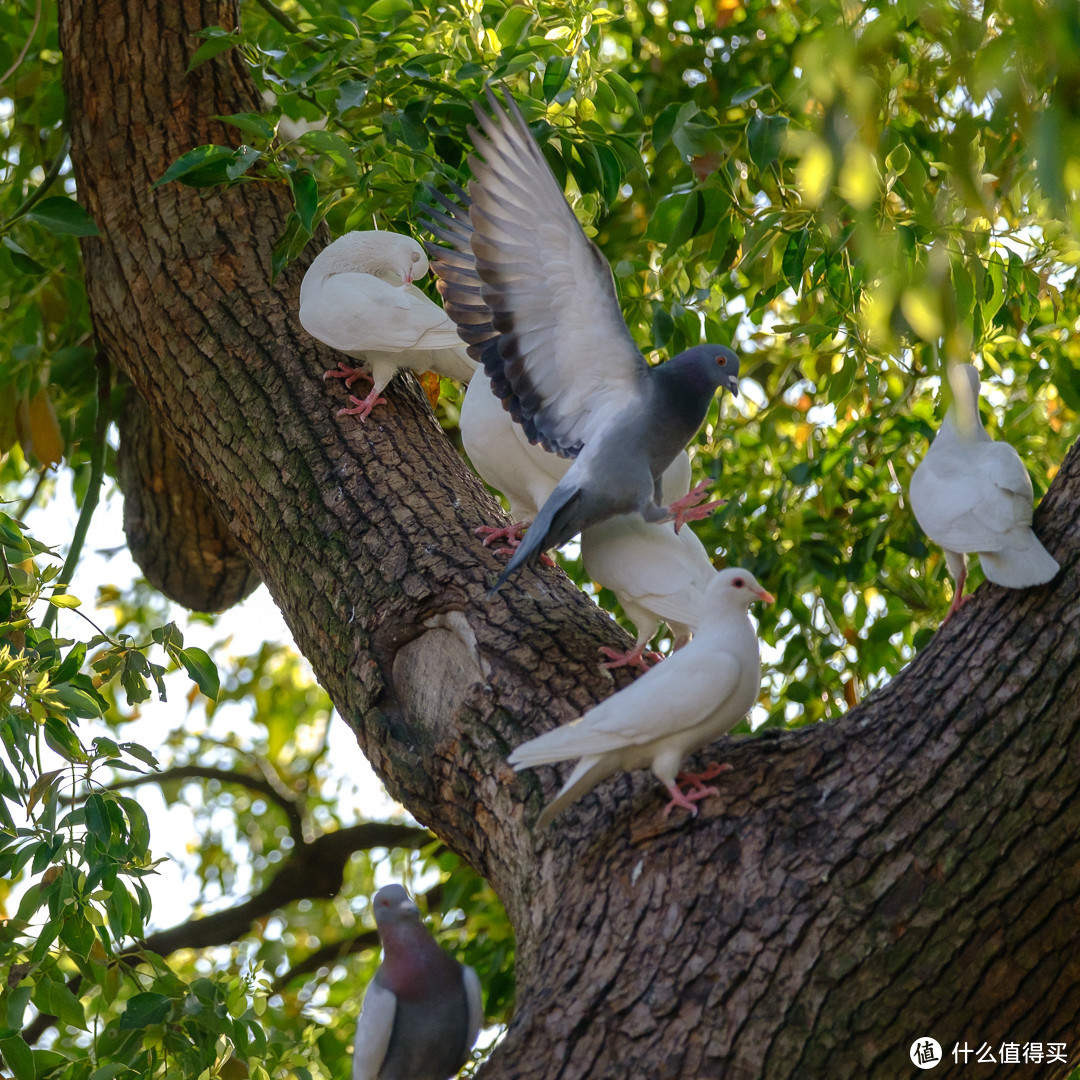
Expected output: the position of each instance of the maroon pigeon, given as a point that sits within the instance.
(422, 1011)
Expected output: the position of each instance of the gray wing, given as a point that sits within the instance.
(373, 1031)
(475, 1001)
(563, 358)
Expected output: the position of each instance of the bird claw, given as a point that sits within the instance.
(958, 601)
(697, 780)
(349, 374)
(636, 657)
(699, 790)
(687, 508)
(362, 406)
(511, 534)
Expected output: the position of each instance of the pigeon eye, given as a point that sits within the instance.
(738, 582)
(416, 256)
(721, 360)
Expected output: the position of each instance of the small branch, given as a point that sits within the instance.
(276, 13)
(93, 490)
(26, 46)
(225, 776)
(40, 191)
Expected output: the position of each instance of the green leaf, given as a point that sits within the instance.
(64, 217)
(389, 10)
(143, 1010)
(243, 159)
(624, 93)
(743, 96)
(202, 671)
(97, 818)
(511, 28)
(288, 245)
(764, 138)
(250, 124)
(18, 1057)
(555, 74)
(64, 600)
(214, 47)
(305, 191)
(663, 326)
(201, 167)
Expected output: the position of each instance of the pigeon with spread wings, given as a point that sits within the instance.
(536, 301)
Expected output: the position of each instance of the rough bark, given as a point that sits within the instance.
(910, 870)
(174, 533)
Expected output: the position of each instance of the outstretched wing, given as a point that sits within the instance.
(562, 356)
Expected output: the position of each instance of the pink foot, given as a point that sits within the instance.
(637, 657)
(349, 374)
(686, 508)
(512, 535)
(362, 407)
(697, 780)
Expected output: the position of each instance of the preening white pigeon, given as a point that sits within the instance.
(971, 494)
(688, 701)
(657, 574)
(422, 1010)
(358, 297)
(535, 299)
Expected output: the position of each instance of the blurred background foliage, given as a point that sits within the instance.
(852, 194)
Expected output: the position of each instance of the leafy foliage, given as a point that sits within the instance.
(854, 195)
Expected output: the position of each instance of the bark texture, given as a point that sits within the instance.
(911, 870)
(174, 533)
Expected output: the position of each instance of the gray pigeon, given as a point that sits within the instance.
(422, 1011)
(971, 494)
(536, 301)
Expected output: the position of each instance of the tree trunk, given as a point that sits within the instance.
(908, 871)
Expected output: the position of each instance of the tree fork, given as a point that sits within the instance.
(909, 870)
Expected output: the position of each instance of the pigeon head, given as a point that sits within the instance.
(393, 906)
(708, 366)
(735, 586)
(395, 258)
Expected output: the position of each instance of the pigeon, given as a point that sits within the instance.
(536, 301)
(358, 297)
(524, 472)
(422, 1011)
(657, 574)
(688, 701)
(971, 494)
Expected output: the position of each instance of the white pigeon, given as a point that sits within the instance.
(524, 472)
(657, 574)
(971, 494)
(358, 297)
(685, 703)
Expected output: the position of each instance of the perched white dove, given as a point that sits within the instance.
(971, 494)
(688, 701)
(657, 574)
(358, 297)
(536, 300)
(423, 1010)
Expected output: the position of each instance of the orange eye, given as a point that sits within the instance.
(721, 360)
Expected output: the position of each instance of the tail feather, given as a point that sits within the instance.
(587, 774)
(1019, 567)
(548, 530)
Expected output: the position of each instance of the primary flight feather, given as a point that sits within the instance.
(536, 301)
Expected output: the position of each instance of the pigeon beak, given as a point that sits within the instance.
(767, 597)
(732, 383)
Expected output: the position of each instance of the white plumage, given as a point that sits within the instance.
(657, 574)
(971, 494)
(685, 703)
(357, 297)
